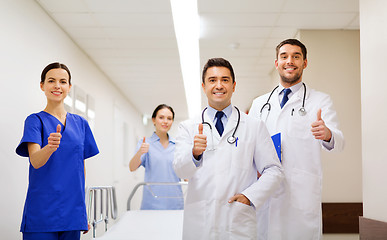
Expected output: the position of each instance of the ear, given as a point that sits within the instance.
(41, 86)
(276, 63)
(203, 87)
(233, 86)
(69, 88)
(305, 63)
(154, 121)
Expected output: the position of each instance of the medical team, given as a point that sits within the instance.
(237, 187)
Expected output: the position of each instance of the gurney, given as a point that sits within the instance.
(133, 224)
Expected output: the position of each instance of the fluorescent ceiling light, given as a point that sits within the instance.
(186, 22)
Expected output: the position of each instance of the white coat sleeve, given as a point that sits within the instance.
(182, 163)
(329, 116)
(267, 163)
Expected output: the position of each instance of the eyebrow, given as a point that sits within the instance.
(296, 53)
(220, 77)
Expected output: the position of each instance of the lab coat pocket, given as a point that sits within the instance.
(305, 191)
(242, 221)
(242, 155)
(299, 126)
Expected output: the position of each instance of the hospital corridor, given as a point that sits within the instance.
(126, 119)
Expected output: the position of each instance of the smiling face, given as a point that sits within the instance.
(218, 86)
(56, 85)
(290, 64)
(163, 120)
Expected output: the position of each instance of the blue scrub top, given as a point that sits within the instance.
(56, 192)
(158, 168)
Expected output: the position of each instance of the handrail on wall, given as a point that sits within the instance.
(150, 184)
(91, 201)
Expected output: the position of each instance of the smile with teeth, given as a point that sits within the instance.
(219, 93)
(56, 93)
(290, 68)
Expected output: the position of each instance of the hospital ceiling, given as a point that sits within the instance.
(134, 44)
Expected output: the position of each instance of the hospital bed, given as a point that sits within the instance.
(133, 224)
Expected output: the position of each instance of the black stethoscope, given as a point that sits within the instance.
(301, 111)
(231, 139)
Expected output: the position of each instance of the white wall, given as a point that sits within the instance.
(29, 41)
(373, 39)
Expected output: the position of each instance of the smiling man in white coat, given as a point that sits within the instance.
(220, 153)
(307, 122)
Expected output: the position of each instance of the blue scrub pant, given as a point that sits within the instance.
(66, 235)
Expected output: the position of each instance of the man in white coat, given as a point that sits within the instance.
(307, 122)
(223, 191)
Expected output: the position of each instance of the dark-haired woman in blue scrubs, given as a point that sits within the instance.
(57, 143)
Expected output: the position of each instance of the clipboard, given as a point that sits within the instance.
(276, 138)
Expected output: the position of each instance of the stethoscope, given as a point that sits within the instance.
(301, 111)
(231, 139)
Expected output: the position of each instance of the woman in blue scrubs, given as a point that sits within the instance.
(57, 143)
(155, 154)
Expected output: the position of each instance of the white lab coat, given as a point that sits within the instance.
(294, 212)
(224, 172)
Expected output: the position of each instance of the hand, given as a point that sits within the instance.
(144, 147)
(54, 139)
(88, 228)
(319, 130)
(200, 143)
(239, 198)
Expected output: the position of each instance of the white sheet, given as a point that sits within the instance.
(147, 224)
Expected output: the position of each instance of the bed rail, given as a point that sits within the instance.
(150, 184)
(107, 195)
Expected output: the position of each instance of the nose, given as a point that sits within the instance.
(289, 60)
(56, 85)
(219, 84)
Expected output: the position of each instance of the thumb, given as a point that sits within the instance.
(58, 128)
(200, 128)
(319, 115)
(143, 140)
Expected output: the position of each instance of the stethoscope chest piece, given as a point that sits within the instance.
(231, 139)
(302, 111)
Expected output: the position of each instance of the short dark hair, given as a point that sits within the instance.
(54, 65)
(218, 62)
(162, 106)
(291, 42)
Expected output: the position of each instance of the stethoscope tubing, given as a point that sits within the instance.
(302, 109)
(232, 138)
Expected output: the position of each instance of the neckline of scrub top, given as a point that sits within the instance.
(62, 125)
(155, 138)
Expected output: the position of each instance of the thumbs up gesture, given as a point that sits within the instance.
(319, 130)
(144, 146)
(54, 139)
(200, 143)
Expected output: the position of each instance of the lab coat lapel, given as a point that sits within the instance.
(231, 123)
(298, 97)
(214, 132)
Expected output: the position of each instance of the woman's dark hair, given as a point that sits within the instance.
(54, 65)
(162, 106)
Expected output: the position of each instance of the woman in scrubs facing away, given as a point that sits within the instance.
(155, 154)
(57, 143)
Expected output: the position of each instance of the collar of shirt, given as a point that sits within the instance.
(227, 113)
(155, 138)
(294, 89)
